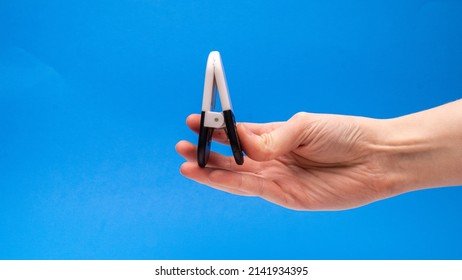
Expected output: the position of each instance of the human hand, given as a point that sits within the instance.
(310, 162)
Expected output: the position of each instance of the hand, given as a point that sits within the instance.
(310, 162)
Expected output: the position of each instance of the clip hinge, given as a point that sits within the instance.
(214, 120)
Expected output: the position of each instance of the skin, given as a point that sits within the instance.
(335, 162)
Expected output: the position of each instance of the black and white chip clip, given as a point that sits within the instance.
(215, 81)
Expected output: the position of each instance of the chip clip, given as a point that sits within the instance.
(215, 83)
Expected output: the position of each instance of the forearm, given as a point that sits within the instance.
(424, 149)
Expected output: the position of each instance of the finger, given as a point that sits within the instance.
(189, 152)
(269, 145)
(192, 171)
(234, 182)
(193, 121)
(260, 128)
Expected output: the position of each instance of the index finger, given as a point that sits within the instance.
(193, 122)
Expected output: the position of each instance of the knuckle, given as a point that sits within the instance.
(300, 116)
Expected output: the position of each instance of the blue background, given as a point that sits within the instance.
(94, 94)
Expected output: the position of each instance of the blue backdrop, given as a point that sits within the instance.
(94, 94)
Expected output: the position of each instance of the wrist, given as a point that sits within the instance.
(408, 152)
(422, 150)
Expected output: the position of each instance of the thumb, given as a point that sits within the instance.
(270, 145)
